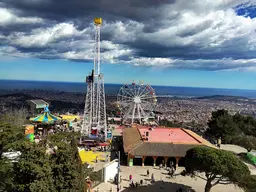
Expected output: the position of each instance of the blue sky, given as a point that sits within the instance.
(176, 43)
(59, 70)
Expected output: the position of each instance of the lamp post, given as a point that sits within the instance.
(118, 172)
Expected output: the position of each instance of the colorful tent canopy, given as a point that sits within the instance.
(46, 117)
(70, 117)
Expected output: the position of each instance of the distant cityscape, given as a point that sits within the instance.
(183, 111)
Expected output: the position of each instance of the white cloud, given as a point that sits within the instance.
(106, 57)
(211, 27)
(161, 62)
(213, 64)
(9, 51)
(202, 8)
(7, 18)
(44, 37)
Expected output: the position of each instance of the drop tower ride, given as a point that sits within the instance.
(94, 119)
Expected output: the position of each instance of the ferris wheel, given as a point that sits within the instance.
(136, 102)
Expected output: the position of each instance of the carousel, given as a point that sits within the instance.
(46, 117)
(44, 123)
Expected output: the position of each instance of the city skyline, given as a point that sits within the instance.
(173, 43)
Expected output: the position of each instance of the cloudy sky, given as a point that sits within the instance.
(199, 43)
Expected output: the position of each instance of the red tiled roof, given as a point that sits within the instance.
(135, 145)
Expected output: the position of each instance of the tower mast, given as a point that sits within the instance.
(95, 106)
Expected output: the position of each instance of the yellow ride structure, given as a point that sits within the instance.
(97, 20)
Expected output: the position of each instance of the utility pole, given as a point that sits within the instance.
(118, 172)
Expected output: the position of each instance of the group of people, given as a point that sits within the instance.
(132, 184)
(152, 176)
(170, 169)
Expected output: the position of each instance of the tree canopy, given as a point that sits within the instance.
(246, 124)
(35, 170)
(249, 183)
(227, 126)
(11, 135)
(32, 172)
(166, 123)
(222, 125)
(219, 166)
(246, 141)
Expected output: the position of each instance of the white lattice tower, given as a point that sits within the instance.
(95, 105)
(88, 108)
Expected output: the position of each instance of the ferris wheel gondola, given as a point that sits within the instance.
(136, 101)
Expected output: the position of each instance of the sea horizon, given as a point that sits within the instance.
(113, 88)
(124, 84)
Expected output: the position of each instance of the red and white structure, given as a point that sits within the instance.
(94, 119)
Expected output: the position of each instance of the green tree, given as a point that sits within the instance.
(11, 135)
(68, 171)
(219, 167)
(246, 124)
(167, 123)
(222, 125)
(15, 117)
(65, 137)
(35, 171)
(6, 182)
(32, 172)
(246, 141)
(249, 183)
(64, 168)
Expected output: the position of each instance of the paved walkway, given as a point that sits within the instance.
(169, 184)
(234, 148)
(237, 149)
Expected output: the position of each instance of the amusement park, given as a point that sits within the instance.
(129, 149)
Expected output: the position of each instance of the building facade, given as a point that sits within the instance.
(154, 146)
(38, 105)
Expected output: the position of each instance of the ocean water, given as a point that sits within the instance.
(114, 88)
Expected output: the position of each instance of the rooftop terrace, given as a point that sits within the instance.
(168, 135)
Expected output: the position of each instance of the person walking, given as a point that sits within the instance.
(171, 164)
(152, 178)
(219, 143)
(130, 178)
(162, 184)
(172, 171)
(147, 172)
